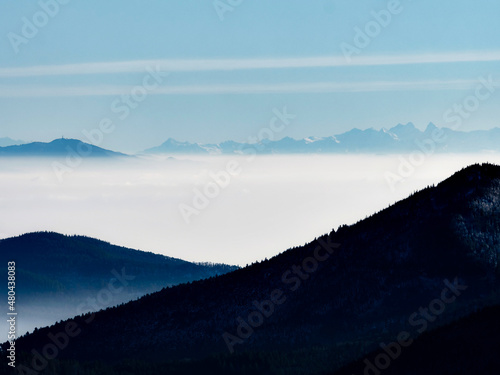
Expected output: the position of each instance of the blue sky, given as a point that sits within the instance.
(225, 76)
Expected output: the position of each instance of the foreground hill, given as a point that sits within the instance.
(318, 306)
(57, 273)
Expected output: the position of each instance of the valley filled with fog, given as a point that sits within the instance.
(231, 209)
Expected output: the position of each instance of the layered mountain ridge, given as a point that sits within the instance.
(315, 312)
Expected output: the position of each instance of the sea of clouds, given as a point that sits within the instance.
(269, 204)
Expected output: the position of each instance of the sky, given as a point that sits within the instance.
(207, 71)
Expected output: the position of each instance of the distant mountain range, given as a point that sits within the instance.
(399, 139)
(424, 262)
(61, 147)
(57, 273)
(4, 142)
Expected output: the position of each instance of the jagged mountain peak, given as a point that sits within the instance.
(400, 138)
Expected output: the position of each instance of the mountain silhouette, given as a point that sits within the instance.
(58, 148)
(313, 308)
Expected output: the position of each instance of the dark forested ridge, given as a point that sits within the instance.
(313, 308)
(56, 273)
(469, 346)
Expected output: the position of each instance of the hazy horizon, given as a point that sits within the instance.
(265, 134)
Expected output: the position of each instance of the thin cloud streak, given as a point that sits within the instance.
(281, 88)
(200, 65)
